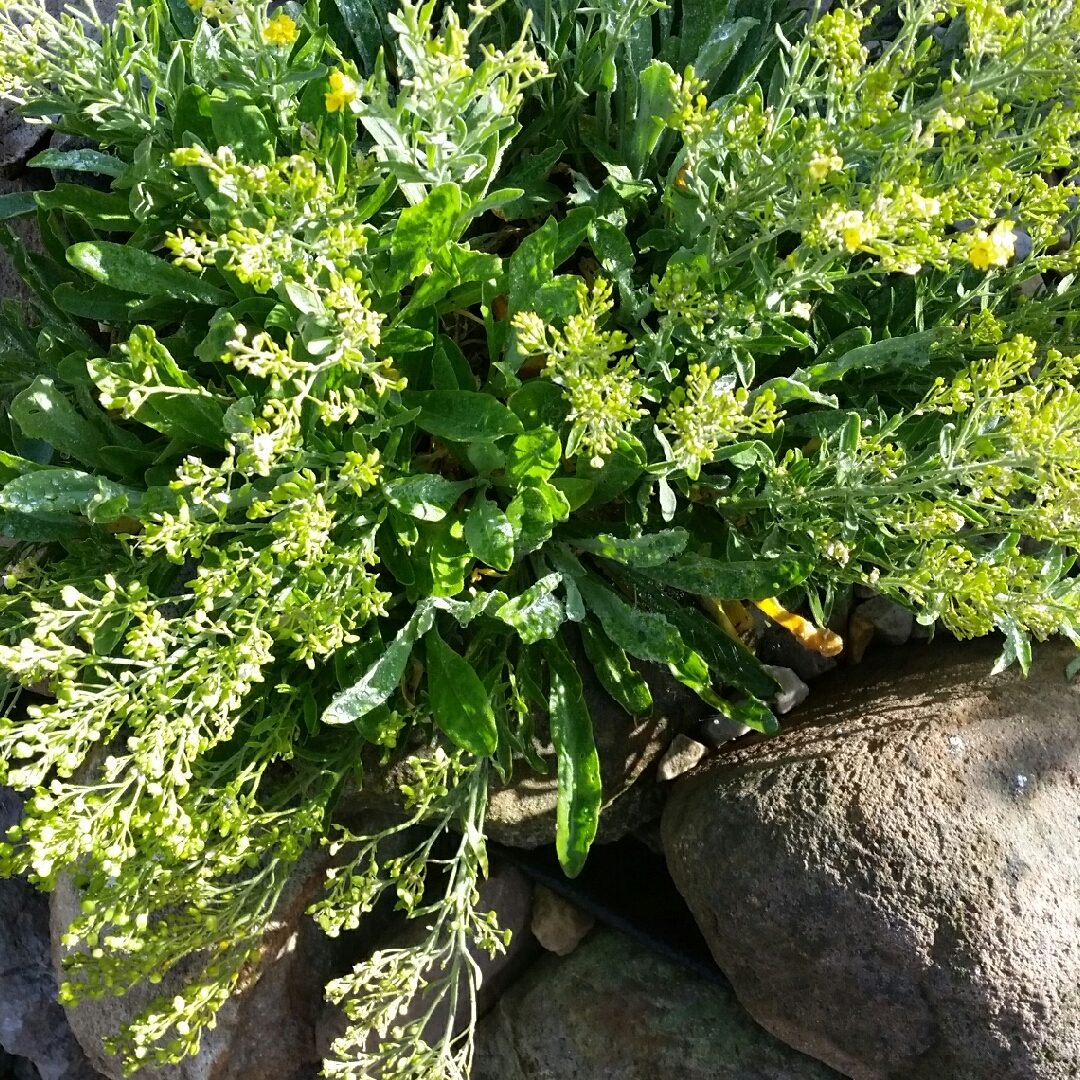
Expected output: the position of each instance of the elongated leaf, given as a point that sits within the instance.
(459, 701)
(912, 351)
(383, 677)
(535, 614)
(90, 161)
(532, 266)
(133, 270)
(612, 668)
(731, 580)
(652, 549)
(43, 412)
(580, 789)
(60, 491)
(17, 204)
(103, 210)
(461, 415)
(427, 497)
(490, 534)
(643, 634)
(534, 455)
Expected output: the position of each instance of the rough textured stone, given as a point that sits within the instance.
(11, 285)
(680, 757)
(793, 691)
(893, 885)
(522, 814)
(718, 730)
(509, 893)
(32, 1023)
(267, 1032)
(615, 1011)
(557, 924)
(892, 623)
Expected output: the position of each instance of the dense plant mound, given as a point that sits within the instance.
(380, 344)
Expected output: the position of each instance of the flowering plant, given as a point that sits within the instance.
(380, 350)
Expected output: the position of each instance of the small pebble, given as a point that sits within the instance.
(956, 745)
(557, 924)
(892, 623)
(1019, 782)
(793, 691)
(680, 757)
(717, 730)
(860, 634)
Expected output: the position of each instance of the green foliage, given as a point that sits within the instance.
(377, 348)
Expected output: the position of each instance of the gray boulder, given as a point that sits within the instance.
(893, 885)
(615, 1011)
(266, 1032)
(32, 1023)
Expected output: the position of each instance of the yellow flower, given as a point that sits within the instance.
(995, 248)
(822, 164)
(855, 230)
(280, 30)
(196, 5)
(342, 91)
(801, 309)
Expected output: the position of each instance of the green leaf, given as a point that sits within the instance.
(580, 789)
(427, 496)
(533, 513)
(753, 713)
(133, 270)
(643, 634)
(535, 614)
(616, 256)
(90, 161)
(754, 580)
(532, 265)
(43, 412)
(625, 685)
(239, 123)
(912, 351)
(60, 491)
(576, 491)
(384, 676)
(652, 549)
(538, 402)
(365, 21)
(534, 455)
(459, 701)
(424, 229)
(461, 415)
(489, 533)
(147, 384)
(17, 204)
(730, 661)
(103, 210)
(192, 115)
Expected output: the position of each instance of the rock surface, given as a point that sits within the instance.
(680, 757)
(268, 1032)
(892, 623)
(557, 924)
(615, 1011)
(32, 1023)
(893, 885)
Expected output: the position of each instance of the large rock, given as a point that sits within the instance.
(893, 886)
(32, 1023)
(522, 813)
(267, 1032)
(615, 1011)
